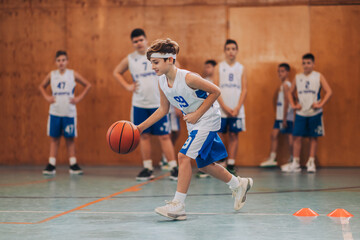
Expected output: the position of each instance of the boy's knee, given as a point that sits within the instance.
(183, 158)
(165, 137)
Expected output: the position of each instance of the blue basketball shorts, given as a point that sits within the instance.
(279, 125)
(309, 126)
(61, 126)
(234, 125)
(205, 147)
(162, 127)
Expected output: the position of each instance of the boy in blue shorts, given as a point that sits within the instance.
(145, 101)
(62, 113)
(284, 117)
(231, 78)
(196, 98)
(308, 118)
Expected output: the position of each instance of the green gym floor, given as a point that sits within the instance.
(107, 203)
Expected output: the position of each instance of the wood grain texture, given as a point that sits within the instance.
(96, 36)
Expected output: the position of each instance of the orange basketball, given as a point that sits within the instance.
(123, 137)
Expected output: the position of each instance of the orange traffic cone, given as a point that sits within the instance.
(340, 213)
(306, 212)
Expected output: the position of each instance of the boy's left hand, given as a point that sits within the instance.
(75, 100)
(191, 118)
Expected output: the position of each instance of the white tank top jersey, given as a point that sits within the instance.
(147, 95)
(62, 87)
(189, 100)
(280, 105)
(230, 85)
(308, 91)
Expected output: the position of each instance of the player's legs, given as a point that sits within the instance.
(74, 168)
(145, 147)
(54, 146)
(271, 161)
(54, 132)
(310, 165)
(138, 116)
(167, 148)
(185, 172)
(70, 145)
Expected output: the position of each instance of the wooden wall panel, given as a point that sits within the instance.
(335, 39)
(27, 54)
(96, 35)
(98, 38)
(266, 36)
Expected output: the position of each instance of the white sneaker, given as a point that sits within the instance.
(311, 167)
(269, 163)
(239, 193)
(174, 210)
(291, 167)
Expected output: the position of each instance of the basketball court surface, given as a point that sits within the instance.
(107, 203)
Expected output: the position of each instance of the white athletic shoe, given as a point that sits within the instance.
(269, 163)
(311, 167)
(239, 193)
(291, 167)
(174, 210)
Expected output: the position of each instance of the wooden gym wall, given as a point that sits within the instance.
(96, 36)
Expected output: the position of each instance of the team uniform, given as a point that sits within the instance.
(308, 121)
(230, 85)
(203, 143)
(280, 112)
(174, 120)
(146, 99)
(62, 113)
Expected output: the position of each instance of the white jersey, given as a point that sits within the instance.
(308, 91)
(189, 100)
(62, 87)
(280, 105)
(230, 85)
(147, 95)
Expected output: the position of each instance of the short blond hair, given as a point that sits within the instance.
(163, 46)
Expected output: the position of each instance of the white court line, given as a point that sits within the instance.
(346, 230)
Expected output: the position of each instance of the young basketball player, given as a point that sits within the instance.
(230, 77)
(308, 118)
(209, 68)
(62, 113)
(145, 101)
(196, 97)
(284, 116)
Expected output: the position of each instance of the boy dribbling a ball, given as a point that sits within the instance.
(196, 98)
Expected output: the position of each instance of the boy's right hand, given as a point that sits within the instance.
(132, 87)
(50, 99)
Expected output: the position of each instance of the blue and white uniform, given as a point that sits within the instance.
(203, 143)
(280, 112)
(230, 84)
(174, 120)
(62, 113)
(308, 121)
(146, 99)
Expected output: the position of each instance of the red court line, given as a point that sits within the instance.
(134, 188)
(26, 183)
